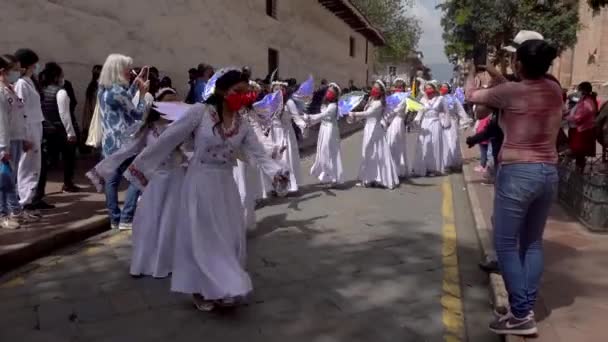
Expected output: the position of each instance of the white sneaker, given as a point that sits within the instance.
(114, 226)
(26, 217)
(9, 223)
(125, 226)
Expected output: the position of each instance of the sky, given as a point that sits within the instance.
(431, 43)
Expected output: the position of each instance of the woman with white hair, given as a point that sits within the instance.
(377, 165)
(120, 118)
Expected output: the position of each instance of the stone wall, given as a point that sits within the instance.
(175, 35)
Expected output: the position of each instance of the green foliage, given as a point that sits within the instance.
(402, 32)
(495, 22)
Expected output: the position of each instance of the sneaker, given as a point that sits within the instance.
(489, 266)
(9, 223)
(125, 226)
(510, 325)
(201, 304)
(26, 216)
(42, 205)
(70, 188)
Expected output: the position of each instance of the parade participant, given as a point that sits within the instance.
(396, 133)
(582, 134)
(31, 160)
(119, 120)
(211, 241)
(377, 166)
(328, 161)
(90, 102)
(452, 156)
(282, 133)
(13, 141)
(526, 182)
(63, 139)
(432, 120)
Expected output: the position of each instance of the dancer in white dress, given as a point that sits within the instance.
(377, 166)
(154, 223)
(328, 161)
(210, 251)
(396, 133)
(432, 120)
(452, 156)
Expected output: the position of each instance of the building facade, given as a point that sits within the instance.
(588, 59)
(326, 38)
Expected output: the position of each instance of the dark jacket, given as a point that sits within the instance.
(493, 133)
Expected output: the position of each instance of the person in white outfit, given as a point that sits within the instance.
(210, 249)
(396, 133)
(31, 160)
(432, 119)
(452, 156)
(377, 165)
(328, 160)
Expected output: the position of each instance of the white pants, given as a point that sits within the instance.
(29, 165)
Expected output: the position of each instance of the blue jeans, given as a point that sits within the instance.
(9, 200)
(483, 155)
(128, 211)
(524, 193)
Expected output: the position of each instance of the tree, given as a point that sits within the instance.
(401, 31)
(494, 23)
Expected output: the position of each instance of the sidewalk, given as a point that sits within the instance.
(573, 302)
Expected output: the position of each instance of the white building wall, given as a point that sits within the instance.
(175, 35)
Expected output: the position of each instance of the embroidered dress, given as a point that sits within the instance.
(328, 160)
(377, 164)
(120, 118)
(210, 245)
(396, 136)
(429, 151)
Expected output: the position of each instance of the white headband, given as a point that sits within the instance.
(332, 84)
(381, 84)
(284, 84)
(398, 79)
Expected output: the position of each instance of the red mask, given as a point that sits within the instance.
(330, 96)
(429, 92)
(375, 93)
(235, 101)
(443, 91)
(249, 98)
(398, 90)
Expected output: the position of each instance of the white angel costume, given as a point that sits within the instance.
(328, 161)
(377, 164)
(396, 136)
(210, 248)
(155, 220)
(452, 155)
(432, 120)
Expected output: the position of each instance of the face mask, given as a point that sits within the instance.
(234, 102)
(330, 96)
(443, 91)
(398, 90)
(13, 76)
(429, 92)
(375, 92)
(249, 98)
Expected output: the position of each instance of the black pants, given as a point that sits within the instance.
(55, 147)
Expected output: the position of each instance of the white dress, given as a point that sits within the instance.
(210, 248)
(396, 136)
(283, 134)
(377, 164)
(429, 150)
(328, 161)
(451, 144)
(155, 220)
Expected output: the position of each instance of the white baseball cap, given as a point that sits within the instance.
(521, 37)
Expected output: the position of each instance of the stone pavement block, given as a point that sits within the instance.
(55, 314)
(127, 301)
(92, 309)
(25, 317)
(32, 335)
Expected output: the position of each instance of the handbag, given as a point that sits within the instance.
(6, 177)
(95, 129)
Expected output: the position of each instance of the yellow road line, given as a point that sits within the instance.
(451, 299)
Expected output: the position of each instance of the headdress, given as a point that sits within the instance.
(335, 85)
(381, 85)
(223, 79)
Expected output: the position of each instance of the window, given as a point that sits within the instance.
(352, 47)
(273, 61)
(271, 8)
(392, 70)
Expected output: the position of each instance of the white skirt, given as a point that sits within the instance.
(377, 163)
(429, 151)
(210, 249)
(248, 185)
(396, 136)
(291, 156)
(328, 161)
(155, 223)
(452, 156)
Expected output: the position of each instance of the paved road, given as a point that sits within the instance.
(329, 265)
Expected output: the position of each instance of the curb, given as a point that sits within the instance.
(498, 293)
(47, 243)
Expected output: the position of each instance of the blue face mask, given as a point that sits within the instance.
(13, 76)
